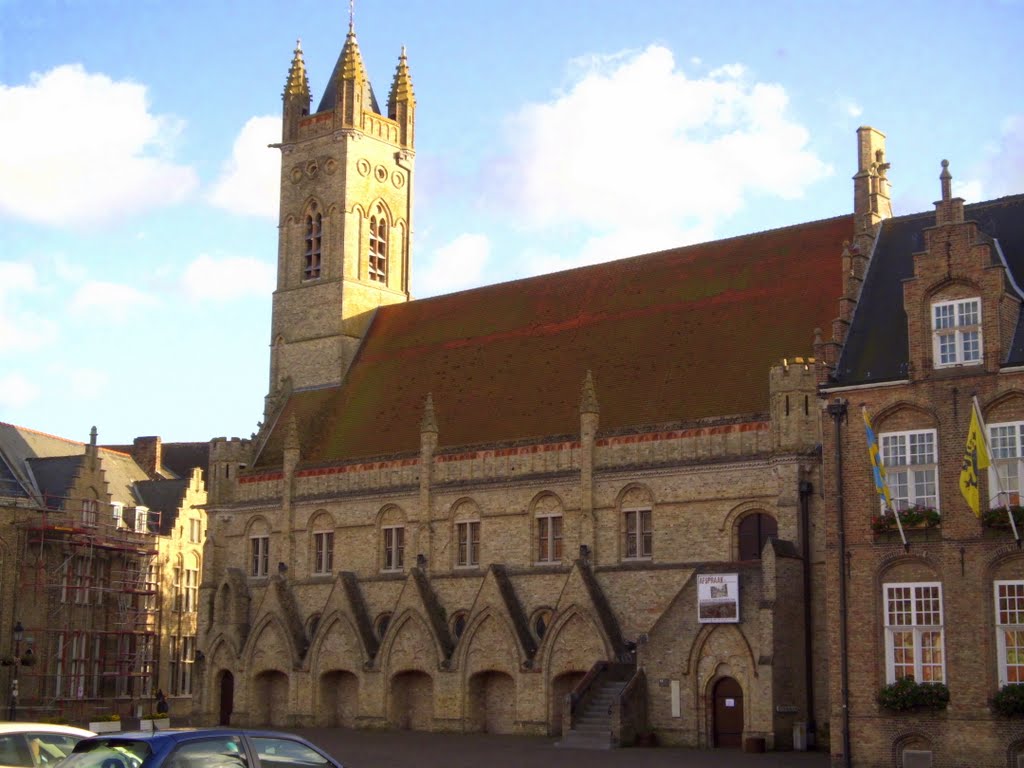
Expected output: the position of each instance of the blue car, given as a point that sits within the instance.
(198, 748)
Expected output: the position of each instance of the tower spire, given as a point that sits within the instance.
(402, 100)
(298, 82)
(351, 17)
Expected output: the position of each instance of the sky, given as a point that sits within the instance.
(138, 196)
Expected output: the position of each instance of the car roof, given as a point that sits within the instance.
(185, 734)
(68, 730)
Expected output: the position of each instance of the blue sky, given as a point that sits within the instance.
(138, 199)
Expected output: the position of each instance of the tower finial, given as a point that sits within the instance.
(947, 181)
(351, 16)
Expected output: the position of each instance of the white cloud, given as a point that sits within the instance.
(16, 391)
(850, 108)
(79, 148)
(227, 278)
(459, 264)
(111, 302)
(21, 328)
(592, 159)
(249, 184)
(1004, 174)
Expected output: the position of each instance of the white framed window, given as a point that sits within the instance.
(549, 538)
(195, 531)
(394, 547)
(90, 511)
(911, 466)
(173, 663)
(956, 332)
(323, 552)
(914, 644)
(176, 585)
(191, 602)
(467, 536)
(1009, 597)
(188, 655)
(259, 555)
(638, 534)
(117, 513)
(141, 520)
(149, 584)
(1006, 444)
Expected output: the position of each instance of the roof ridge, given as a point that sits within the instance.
(967, 208)
(675, 249)
(41, 433)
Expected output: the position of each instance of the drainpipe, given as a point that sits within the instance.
(837, 410)
(806, 489)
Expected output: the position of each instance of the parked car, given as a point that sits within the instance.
(198, 748)
(32, 745)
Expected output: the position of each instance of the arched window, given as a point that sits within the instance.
(379, 245)
(754, 531)
(459, 624)
(314, 222)
(381, 625)
(541, 622)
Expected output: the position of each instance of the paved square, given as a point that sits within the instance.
(408, 749)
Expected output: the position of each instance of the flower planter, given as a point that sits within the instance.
(105, 726)
(158, 724)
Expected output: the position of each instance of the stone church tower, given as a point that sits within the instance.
(345, 218)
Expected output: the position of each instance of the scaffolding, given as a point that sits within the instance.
(89, 597)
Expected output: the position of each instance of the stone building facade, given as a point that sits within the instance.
(503, 509)
(930, 320)
(100, 558)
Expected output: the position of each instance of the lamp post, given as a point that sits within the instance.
(19, 633)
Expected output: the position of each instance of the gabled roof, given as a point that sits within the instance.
(54, 477)
(164, 496)
(876, 347)
(680, 335)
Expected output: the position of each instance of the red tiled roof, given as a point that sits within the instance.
(673, 336)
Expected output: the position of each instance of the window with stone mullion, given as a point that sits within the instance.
(914, 643)
(911, 468)
(1009, 599)
(1005, 443)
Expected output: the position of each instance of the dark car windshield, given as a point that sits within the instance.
(108, 753)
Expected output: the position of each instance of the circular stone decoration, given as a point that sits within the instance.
(380, 172)
(398, 179)
(363, 167)
(312, 168)
(331, 165)
(296, 175)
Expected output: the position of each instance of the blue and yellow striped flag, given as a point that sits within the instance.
(877, 467)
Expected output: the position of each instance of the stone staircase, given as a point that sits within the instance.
(592, 728)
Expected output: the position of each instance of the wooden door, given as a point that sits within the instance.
(728, 713)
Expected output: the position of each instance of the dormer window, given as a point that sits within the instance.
(314, 222)
(956, 330)
(378, 263)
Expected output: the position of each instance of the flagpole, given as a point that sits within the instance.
(882, 480)
(999, 482)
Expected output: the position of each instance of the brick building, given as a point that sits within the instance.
(100, 556)
(930, 319)
(458, 511)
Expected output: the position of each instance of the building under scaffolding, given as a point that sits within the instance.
(92, 550)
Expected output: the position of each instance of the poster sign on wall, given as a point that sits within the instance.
(718, 598)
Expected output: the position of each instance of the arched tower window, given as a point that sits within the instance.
(314, 240)
(754, 531)
(379, 245)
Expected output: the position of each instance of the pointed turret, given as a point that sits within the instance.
(402, 101)
(296, 95)
(349, 92)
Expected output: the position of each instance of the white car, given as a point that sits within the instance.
(33, 745)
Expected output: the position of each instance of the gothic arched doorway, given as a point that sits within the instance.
(727, 698)
(227, 697)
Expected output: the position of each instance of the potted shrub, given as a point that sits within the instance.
(908, 695)
(1009, 701)
(911, 517)
(998, 519)
(105, 724)
(154, 721)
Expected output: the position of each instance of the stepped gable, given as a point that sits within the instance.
(679, 335)
(165, 497)
(876, 348)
